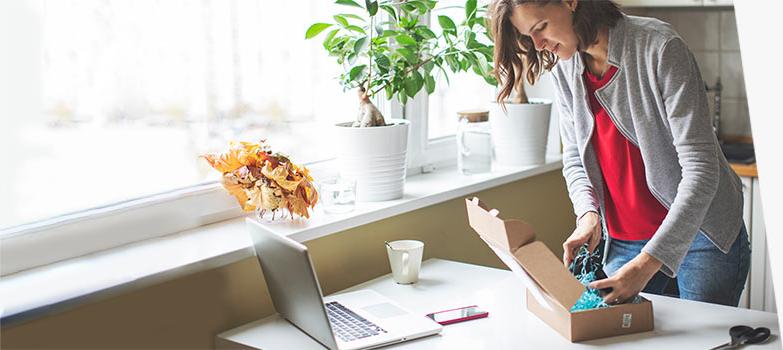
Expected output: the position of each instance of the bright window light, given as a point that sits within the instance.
(129, 92)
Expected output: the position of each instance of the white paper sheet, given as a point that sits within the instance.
(518, 271)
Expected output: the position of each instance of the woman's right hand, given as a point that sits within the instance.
(588, 230)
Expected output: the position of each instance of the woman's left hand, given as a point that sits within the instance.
(630, 279)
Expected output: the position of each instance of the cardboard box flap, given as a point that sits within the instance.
(508, 235)
(518, 238)
(548, 271)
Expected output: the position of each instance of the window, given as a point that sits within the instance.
(462, 91)
(465, 91)
(128, 93)
(108, 103)
(436, 115)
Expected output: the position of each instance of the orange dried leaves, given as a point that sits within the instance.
(238, 155)
(238, 191)
(280, 176)
(260, 180)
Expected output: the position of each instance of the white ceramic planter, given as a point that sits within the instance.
(376, 157)
(519, 134)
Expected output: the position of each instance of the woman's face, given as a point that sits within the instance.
(550, 26)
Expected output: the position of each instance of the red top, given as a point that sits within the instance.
(632, 213)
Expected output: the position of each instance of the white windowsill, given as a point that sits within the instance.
(39, 291)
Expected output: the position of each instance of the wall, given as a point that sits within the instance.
(187, 312)
(711, 34)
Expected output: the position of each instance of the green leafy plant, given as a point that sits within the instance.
(398, 53)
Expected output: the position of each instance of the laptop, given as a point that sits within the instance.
(362, 319)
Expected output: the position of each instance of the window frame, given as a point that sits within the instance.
(96, 229)
(425, 154)
(100, 228)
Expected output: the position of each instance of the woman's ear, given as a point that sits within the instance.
(570, 4)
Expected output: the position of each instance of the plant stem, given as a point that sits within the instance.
(369, 65)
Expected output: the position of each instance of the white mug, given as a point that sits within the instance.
(405, 260)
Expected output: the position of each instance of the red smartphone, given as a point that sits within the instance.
(464, 313)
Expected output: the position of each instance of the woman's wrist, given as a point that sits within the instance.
(648, 263)
(591, 217)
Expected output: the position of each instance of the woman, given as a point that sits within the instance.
(640, 158)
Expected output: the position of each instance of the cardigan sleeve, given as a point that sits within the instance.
(685, 102)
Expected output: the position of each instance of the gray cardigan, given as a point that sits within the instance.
(658, 101)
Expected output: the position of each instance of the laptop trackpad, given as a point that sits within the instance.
(384, 310)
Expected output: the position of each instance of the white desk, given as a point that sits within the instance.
(679, 324)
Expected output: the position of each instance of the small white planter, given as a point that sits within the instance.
(376, 157)
(520, 133)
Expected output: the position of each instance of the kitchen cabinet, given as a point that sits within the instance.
(759, 291)
(747, 196)
(673, 3)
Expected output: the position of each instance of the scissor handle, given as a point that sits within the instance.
(737, 332)
(757, 335)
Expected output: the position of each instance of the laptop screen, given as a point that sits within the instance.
(292, 282)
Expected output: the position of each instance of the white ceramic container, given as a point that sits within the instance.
(519, 134)
(376, 157)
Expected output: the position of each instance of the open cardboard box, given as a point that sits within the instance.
(552, 289)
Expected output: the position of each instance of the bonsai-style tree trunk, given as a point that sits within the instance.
(369, 115)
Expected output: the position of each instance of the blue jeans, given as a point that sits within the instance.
(706, 274)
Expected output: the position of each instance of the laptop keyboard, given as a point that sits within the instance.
(348, 325)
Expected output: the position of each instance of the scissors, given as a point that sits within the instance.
(742, 335)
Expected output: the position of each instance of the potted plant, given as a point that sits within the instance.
(397, 56)
(520, 125)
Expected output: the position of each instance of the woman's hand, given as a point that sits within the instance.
(630, 279)
(588, 230)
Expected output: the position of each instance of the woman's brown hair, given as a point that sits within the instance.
(516, 54)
